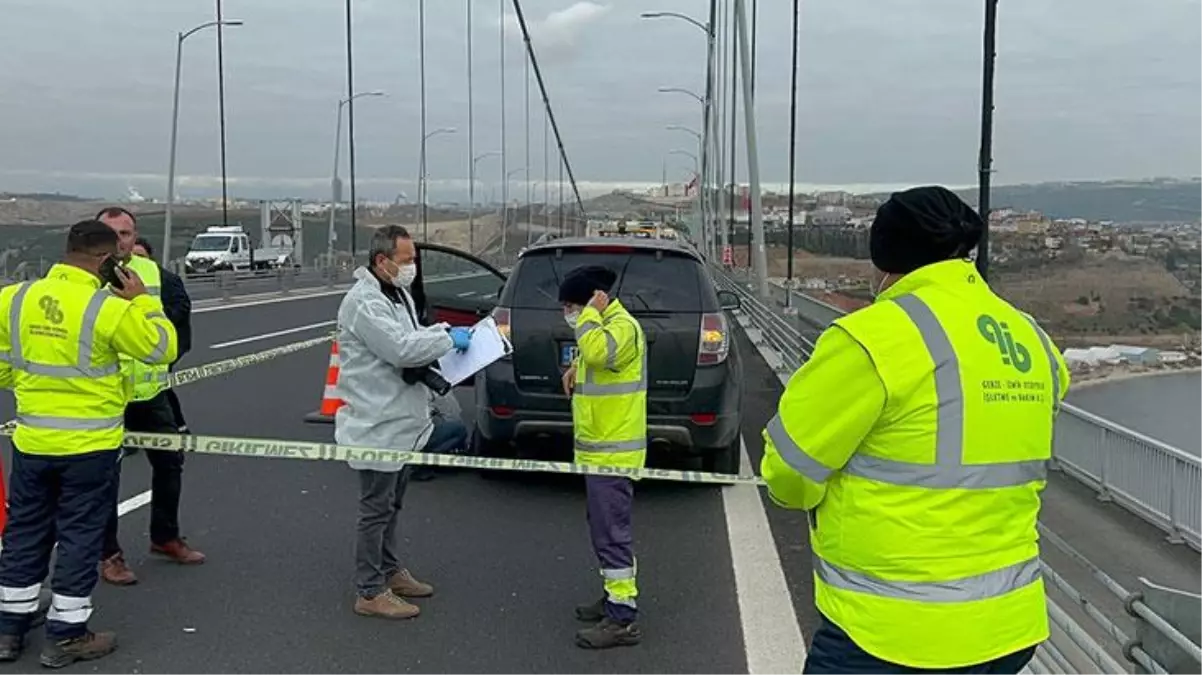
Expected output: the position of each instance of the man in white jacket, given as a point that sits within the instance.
(379, 336)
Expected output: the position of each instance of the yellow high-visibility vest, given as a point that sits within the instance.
(925, 544)
(70, 391)
(609, 404)
(146, 381)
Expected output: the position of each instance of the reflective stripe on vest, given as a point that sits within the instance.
(590, 387)
(70, 423)
(977, 587)
(149, 380)
(949, 470)
(83, 364)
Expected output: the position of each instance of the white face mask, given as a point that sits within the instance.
(571, 319)
(405, 275)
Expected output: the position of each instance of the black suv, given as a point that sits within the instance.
(695, 378)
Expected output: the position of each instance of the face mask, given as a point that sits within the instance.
(571, 319)
(405, 275)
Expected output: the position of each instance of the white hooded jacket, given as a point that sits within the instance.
(376, 339)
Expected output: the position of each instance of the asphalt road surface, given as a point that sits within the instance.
(724, 576)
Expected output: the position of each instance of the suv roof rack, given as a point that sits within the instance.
(660, 245)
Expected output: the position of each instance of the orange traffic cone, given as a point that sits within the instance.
(330, 403)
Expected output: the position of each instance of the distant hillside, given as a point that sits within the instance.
(1151, 201)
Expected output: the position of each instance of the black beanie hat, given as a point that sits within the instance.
(578, 286)
(920, 226)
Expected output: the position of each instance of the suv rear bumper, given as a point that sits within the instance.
(547, 415)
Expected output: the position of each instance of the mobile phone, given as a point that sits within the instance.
(108, 272)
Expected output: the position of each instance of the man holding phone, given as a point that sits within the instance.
(178, 307)
(62, 340)
(149, 411)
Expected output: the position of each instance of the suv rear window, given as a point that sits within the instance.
(672, 283)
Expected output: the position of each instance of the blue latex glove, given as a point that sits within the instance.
(461, 337)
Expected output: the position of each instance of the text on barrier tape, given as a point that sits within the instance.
(203, 372)
(285, 449)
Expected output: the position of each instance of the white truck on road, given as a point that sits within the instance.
(229, 248)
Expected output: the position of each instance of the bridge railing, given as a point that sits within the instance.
(1072, 648)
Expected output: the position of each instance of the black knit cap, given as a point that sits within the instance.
(578, 286)
(920, 226)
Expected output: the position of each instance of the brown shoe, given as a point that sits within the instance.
(386, 605)
(114, 571)
(403, 584)
(86, 647)
(179, 551)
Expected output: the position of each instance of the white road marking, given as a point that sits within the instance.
(265, 336)
(772, 638)
(266, 301)
(133, 503)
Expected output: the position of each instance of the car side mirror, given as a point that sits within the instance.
(728, 300)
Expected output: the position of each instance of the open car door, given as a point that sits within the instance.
(454, 286)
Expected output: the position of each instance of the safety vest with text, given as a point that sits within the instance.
(146, 381)
(609, 402)
(925, 544)
(70, 391)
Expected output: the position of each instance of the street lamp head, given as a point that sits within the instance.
(232, 22)
(375, 92)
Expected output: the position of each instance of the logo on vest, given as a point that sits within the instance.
(51, 310)
(1013, 353)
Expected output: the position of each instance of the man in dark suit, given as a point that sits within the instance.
(159, 414)
(178, 307)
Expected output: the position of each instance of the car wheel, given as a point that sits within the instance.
(725, 460)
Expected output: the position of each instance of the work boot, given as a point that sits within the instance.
(179, 551)
(86, 647)
(608, 633)
(592, 613)
(114, 571)
(386, 605)
(403, 584)
(11, 647)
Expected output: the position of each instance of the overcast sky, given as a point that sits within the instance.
(889, 92)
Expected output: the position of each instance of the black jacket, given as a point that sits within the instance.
(178, 308)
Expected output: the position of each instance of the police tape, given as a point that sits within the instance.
(208, 370)
(270, 448)
(197, 373)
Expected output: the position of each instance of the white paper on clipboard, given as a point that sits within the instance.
(487, 346)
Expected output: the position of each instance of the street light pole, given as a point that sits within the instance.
(792, 155)
(985, 163)
(335, 182)
(471, 141)
(471, 223)
(707, 104)
(703, 148)
(505, 184)
(421, 182)
(508, 176)
(179, 59)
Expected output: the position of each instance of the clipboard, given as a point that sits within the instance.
(488, 346)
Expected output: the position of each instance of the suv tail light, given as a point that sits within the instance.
(501, 316)
(715, 339)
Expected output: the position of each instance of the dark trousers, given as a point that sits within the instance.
(610, 500)
(53, 499)
(177, 411)
(381, 494)
(833, 651)
(166, 482)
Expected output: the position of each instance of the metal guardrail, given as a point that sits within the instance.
(1071, 648)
